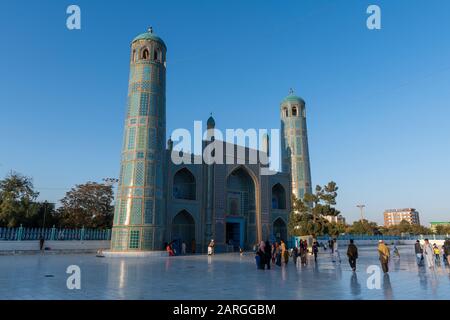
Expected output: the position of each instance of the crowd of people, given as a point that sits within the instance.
(431, 254)
(268, 254)
(278, 254)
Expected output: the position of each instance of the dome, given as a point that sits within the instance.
(293, 98)
(149, 35)
(211, 123)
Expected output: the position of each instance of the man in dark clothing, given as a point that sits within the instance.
(261, 254)
(352, 254)
(447, 250)
(41, 242)
(315, 250)
(295, 255)
(419, 252)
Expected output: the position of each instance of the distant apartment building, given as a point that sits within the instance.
(335, 219)
(393, 217)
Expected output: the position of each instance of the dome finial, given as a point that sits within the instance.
(211, 123)
(291, 91)
(150, 29)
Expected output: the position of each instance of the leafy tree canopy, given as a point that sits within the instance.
(87, 205)
(17, 200)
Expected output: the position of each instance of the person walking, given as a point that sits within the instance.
(428, 254)
(183, 248)
(447, 250)
(284, 252)
(315, 250)
(384, 255)
(303, 252)
(211, 247)
(336, 254)
(437, 254)
(419, 252)
(278, 254)
(274, 246)
(352, 254)
(260, 255)
(295, 255)
(396, 252)
(41, 242)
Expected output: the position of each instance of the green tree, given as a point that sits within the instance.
(17, 200)
(307, 215)
(419, 229)
(364, 227)
(335, 229)
(299, 217)
(322, 201)
(87, 205)
(404, 227)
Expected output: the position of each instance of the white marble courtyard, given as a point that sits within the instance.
(223, 276)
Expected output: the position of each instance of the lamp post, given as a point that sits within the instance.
(45, 213)
(361, 208)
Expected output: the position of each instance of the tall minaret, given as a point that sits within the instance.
(294, 144)
(140, 210)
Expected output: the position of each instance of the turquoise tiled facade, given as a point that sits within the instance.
(140, 206)
(159, 201)
(294, 144)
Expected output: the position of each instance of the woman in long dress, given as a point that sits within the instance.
(428, 254)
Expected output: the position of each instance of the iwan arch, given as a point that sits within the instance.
(159, 201)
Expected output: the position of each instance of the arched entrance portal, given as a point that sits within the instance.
(183, 229)
(241, 210)
(280, 230)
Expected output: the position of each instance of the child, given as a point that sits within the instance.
(437, 253)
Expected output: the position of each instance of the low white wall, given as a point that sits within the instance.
(26, 245)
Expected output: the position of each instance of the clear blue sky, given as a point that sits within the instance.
(378, 102)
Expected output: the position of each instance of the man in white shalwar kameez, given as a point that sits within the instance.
(428, 254)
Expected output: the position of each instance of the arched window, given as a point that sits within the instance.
(145, 54)
(285, 112)
(155, 55)
(133, 55)
(184, 186)
(294, 111)
(278, 197)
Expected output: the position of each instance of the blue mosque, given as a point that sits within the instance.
(159, 201)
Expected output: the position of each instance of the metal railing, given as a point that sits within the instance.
(21, 233)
